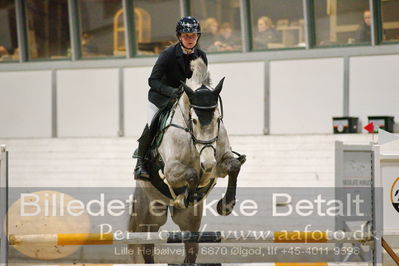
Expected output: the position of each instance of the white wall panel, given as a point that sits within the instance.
(88, 102)
(25, 104)
(374, 87)
(305, 95)
(242, 95)
(136, 99)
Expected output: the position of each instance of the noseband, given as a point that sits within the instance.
(189, 124)
(206, 143)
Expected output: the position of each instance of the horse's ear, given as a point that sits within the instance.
(187, 89)
(219, 87)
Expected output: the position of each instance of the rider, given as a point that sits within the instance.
(172, 66)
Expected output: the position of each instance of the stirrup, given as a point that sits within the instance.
(140, 176)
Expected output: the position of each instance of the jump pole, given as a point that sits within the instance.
(184, 237)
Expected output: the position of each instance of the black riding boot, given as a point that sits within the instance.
(140, 172)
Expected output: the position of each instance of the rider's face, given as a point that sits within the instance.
(189, 40)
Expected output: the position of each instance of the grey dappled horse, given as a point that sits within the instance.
(195, 150)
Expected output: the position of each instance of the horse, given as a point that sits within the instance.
(193, 153)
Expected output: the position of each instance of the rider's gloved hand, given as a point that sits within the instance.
(173, 93)
(176, 94)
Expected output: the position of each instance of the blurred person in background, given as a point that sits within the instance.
(210, 36)
(88, 48)
(266, 33)
(228, 40)
(363, 32)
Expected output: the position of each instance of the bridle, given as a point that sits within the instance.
(189, 125)
(206, 143)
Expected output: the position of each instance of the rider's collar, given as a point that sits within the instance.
(187, 51)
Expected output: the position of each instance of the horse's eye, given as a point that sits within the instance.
(195, 121)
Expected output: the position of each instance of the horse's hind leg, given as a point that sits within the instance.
(145, 219)
(189, 220)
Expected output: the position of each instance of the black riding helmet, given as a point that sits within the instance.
(188, 24)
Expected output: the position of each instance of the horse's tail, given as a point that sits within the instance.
(200, 72)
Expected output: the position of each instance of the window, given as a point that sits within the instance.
(342, 22)
(220, 24)
(101, 28)
(8, 32)
(48, 29)
(277, 24)
(155, 23)
(390, 20)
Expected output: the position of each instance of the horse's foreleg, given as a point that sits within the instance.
(232, 166)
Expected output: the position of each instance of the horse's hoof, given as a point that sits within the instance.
(242, 158)
(225, 209)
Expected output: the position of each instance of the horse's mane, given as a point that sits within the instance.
(200, 74)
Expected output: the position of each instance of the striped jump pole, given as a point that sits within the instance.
(184, 237)
(214, 264)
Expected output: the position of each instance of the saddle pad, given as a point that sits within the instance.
(163, 122)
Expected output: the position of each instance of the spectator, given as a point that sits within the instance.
(228, 40)
(266, 33)
(363, 32)
(88, 48)
(209, 37)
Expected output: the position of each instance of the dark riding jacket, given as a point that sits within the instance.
(171, 67)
